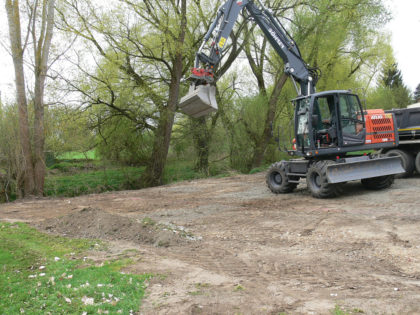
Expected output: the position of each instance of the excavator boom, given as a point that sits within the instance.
(201, 98)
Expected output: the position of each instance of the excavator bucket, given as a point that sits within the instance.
(200, 101)
(364, 168)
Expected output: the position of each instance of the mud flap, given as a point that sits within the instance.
(199, 101)
(343, 172)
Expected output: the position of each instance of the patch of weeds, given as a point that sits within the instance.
(86, 182)
(41, 274)
(238, 288)
(259, 169)
(200, 285)
(195, 293)
(148, 222)
(338, 310)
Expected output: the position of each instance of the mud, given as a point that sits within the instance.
(239, 249)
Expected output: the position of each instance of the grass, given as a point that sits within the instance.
(76, 178)
(41, 274)
(73, 175)
(92, 181)
(89, 155)
(338, 310)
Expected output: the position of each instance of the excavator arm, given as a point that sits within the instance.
(201, 97)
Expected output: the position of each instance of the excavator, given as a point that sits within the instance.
(329, 126)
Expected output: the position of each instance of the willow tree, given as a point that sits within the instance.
(40, 25)
(151, 45)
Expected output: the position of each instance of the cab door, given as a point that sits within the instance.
(351, 120)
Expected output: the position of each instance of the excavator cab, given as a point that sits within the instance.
(331, 122)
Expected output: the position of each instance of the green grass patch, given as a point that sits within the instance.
(338, 310)
(40, 273)
(259, 169)
(181, 170)
(92, 181)
(89, 155)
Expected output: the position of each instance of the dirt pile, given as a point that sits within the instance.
(96, 223)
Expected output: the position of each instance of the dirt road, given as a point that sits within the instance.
(248, 251)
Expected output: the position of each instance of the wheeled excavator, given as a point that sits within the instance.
(327, 125)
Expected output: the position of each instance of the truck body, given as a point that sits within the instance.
(408, 128)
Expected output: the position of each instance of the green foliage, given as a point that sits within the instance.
(67, 133)
(123, 144)
(92, 181)
(79, 178)
(42, 274)
(391, 92)
(75, 155)
(251, 113)
(391, 76)
(417, 94)
(11, 159)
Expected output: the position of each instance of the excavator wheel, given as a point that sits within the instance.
(407, 160)
(317, 181)
(277, 180)
(377, 183)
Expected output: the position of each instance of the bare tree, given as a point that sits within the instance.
(41, 14)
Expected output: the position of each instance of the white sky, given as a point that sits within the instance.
(405, 30)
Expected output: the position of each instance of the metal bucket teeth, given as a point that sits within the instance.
(200, 101)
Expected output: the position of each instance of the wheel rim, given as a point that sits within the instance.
(276, 178)
(316, 179)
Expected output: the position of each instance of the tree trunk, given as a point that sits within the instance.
(261, 145)
(13, 16)
(34, 164)
(41, 51)
(202, 138)
(153, 174)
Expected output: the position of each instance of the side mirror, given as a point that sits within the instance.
(315, 120)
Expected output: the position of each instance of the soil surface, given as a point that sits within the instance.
(229, 246)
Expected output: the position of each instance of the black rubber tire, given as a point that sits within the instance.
(417, 163)
(317, 182)
(277, 180)
(377, 183)
(407, 161)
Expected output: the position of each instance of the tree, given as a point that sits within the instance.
(40, 31)
(392, 81)
(150, 50)
(392, 77)
(417, 93)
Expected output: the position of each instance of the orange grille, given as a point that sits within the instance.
(379, 127)
(382, 129)
(382, 121)
(383, 136)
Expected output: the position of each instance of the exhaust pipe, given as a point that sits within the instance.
(200, 101)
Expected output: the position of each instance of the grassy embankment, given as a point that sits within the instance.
(76, 174)
(44, 274)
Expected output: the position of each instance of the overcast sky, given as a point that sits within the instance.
(405, 30)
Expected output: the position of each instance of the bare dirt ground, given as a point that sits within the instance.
(230, 246)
